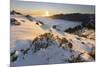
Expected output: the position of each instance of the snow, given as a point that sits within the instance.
(45, 56)
(61, 24)
(23, 35)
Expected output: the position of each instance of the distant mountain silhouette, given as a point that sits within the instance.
(88, 20)
(74, 16)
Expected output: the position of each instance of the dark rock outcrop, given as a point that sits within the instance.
(39, 23)
(47, 39)
(13, 21)
(13, 12)
(30, 18)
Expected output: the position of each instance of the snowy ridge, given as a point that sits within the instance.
(37, 42)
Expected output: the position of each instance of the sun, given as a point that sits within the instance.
(47, 13)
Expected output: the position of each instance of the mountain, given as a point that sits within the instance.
(42, 40)
(74, 17)
(13, 12)
(48, 48)
(88, 20)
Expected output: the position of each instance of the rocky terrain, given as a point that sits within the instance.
(42, 40)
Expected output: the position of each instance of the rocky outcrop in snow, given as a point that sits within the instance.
(43, 41)
(30, 18)
(13, 12)
(14, 21)
(51, 49)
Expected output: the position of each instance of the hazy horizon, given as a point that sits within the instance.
(43, 8)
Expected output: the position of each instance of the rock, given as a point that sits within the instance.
(92, 53)
(15, 12)
(12, 53)
(13, 21)
(25, 51)
(23, 20)
(14, 58)
(70, 45)
(39, 23)
(42, 42)
(54, 26)
(30, 18)
(82, 42)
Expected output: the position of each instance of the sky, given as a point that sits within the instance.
(42, 8)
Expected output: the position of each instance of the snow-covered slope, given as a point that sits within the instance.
(33, 44)
(61, 24)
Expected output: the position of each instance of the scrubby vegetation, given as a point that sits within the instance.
(47, 39)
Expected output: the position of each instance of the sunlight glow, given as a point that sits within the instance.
(47, 13)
